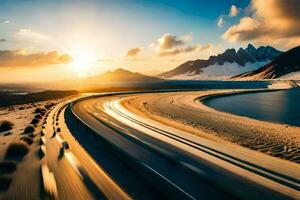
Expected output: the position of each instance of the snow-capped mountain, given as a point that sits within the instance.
(285, 66)
(225, 65)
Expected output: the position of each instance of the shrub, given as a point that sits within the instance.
(27, 139)
(29, 129)
(7, 133)
(4, 182)
(7, 167)
(6, 126)
(32, 135)
(40, 110)
(38, 116)
(34, 121)
(48, 106)
(16, 151)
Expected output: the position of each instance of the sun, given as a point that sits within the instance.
(82, 62)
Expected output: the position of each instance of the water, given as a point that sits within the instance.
(280, 106)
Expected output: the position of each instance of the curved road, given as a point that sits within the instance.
(175, 164)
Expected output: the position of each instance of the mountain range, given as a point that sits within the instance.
(285, 66)
(225, 65)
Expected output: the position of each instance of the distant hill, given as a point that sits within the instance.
(225, 65)
(284, 66)
(11, 98)
(119, 76)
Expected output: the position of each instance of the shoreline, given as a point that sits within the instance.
(270, 138)
(203, 100)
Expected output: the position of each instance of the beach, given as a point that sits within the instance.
(186, 111)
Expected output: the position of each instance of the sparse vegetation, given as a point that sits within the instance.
(27, 139)
(38, 116)
(16, 151)
(29, 129)
(4, 182)
(6, 126)
(7, 167)
(50, 105)
(7, 133)
(34, 121)
(32, 135)
(40, 110)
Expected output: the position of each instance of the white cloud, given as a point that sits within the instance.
(220, 22)
(270, 22)
(233, 11)
(167, 41)
(170, 45)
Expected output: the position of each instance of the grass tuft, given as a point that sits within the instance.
(7, 167)
(40, 110)
(16, 151)
(27, 139)
(38, 116)
(6, 125)
(4, 183)
(35, 121)
(29, 129)
(7, 133)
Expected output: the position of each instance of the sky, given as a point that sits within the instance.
(58, 39)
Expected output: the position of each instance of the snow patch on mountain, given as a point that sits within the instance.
(291, 76)
(219, 72)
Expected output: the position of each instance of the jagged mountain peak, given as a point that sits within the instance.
(284, 64)
(247, 56)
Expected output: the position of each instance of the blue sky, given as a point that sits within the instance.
(132, 34)
(134, 20)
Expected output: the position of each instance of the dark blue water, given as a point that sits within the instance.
(193, 84)
(280, 106)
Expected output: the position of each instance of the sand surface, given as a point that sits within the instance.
(183, 111)
(25, 179)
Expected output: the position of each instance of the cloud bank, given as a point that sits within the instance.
(269, 21)
(19, 58)
(170, 45)
(133, 52)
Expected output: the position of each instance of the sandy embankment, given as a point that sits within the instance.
(25, 178)
(182, 111)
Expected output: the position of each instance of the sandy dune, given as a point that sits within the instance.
(183, 111)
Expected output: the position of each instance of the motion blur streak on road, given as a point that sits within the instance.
(77, 175)
(111, 153)
(218, 174)
(163, 172)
